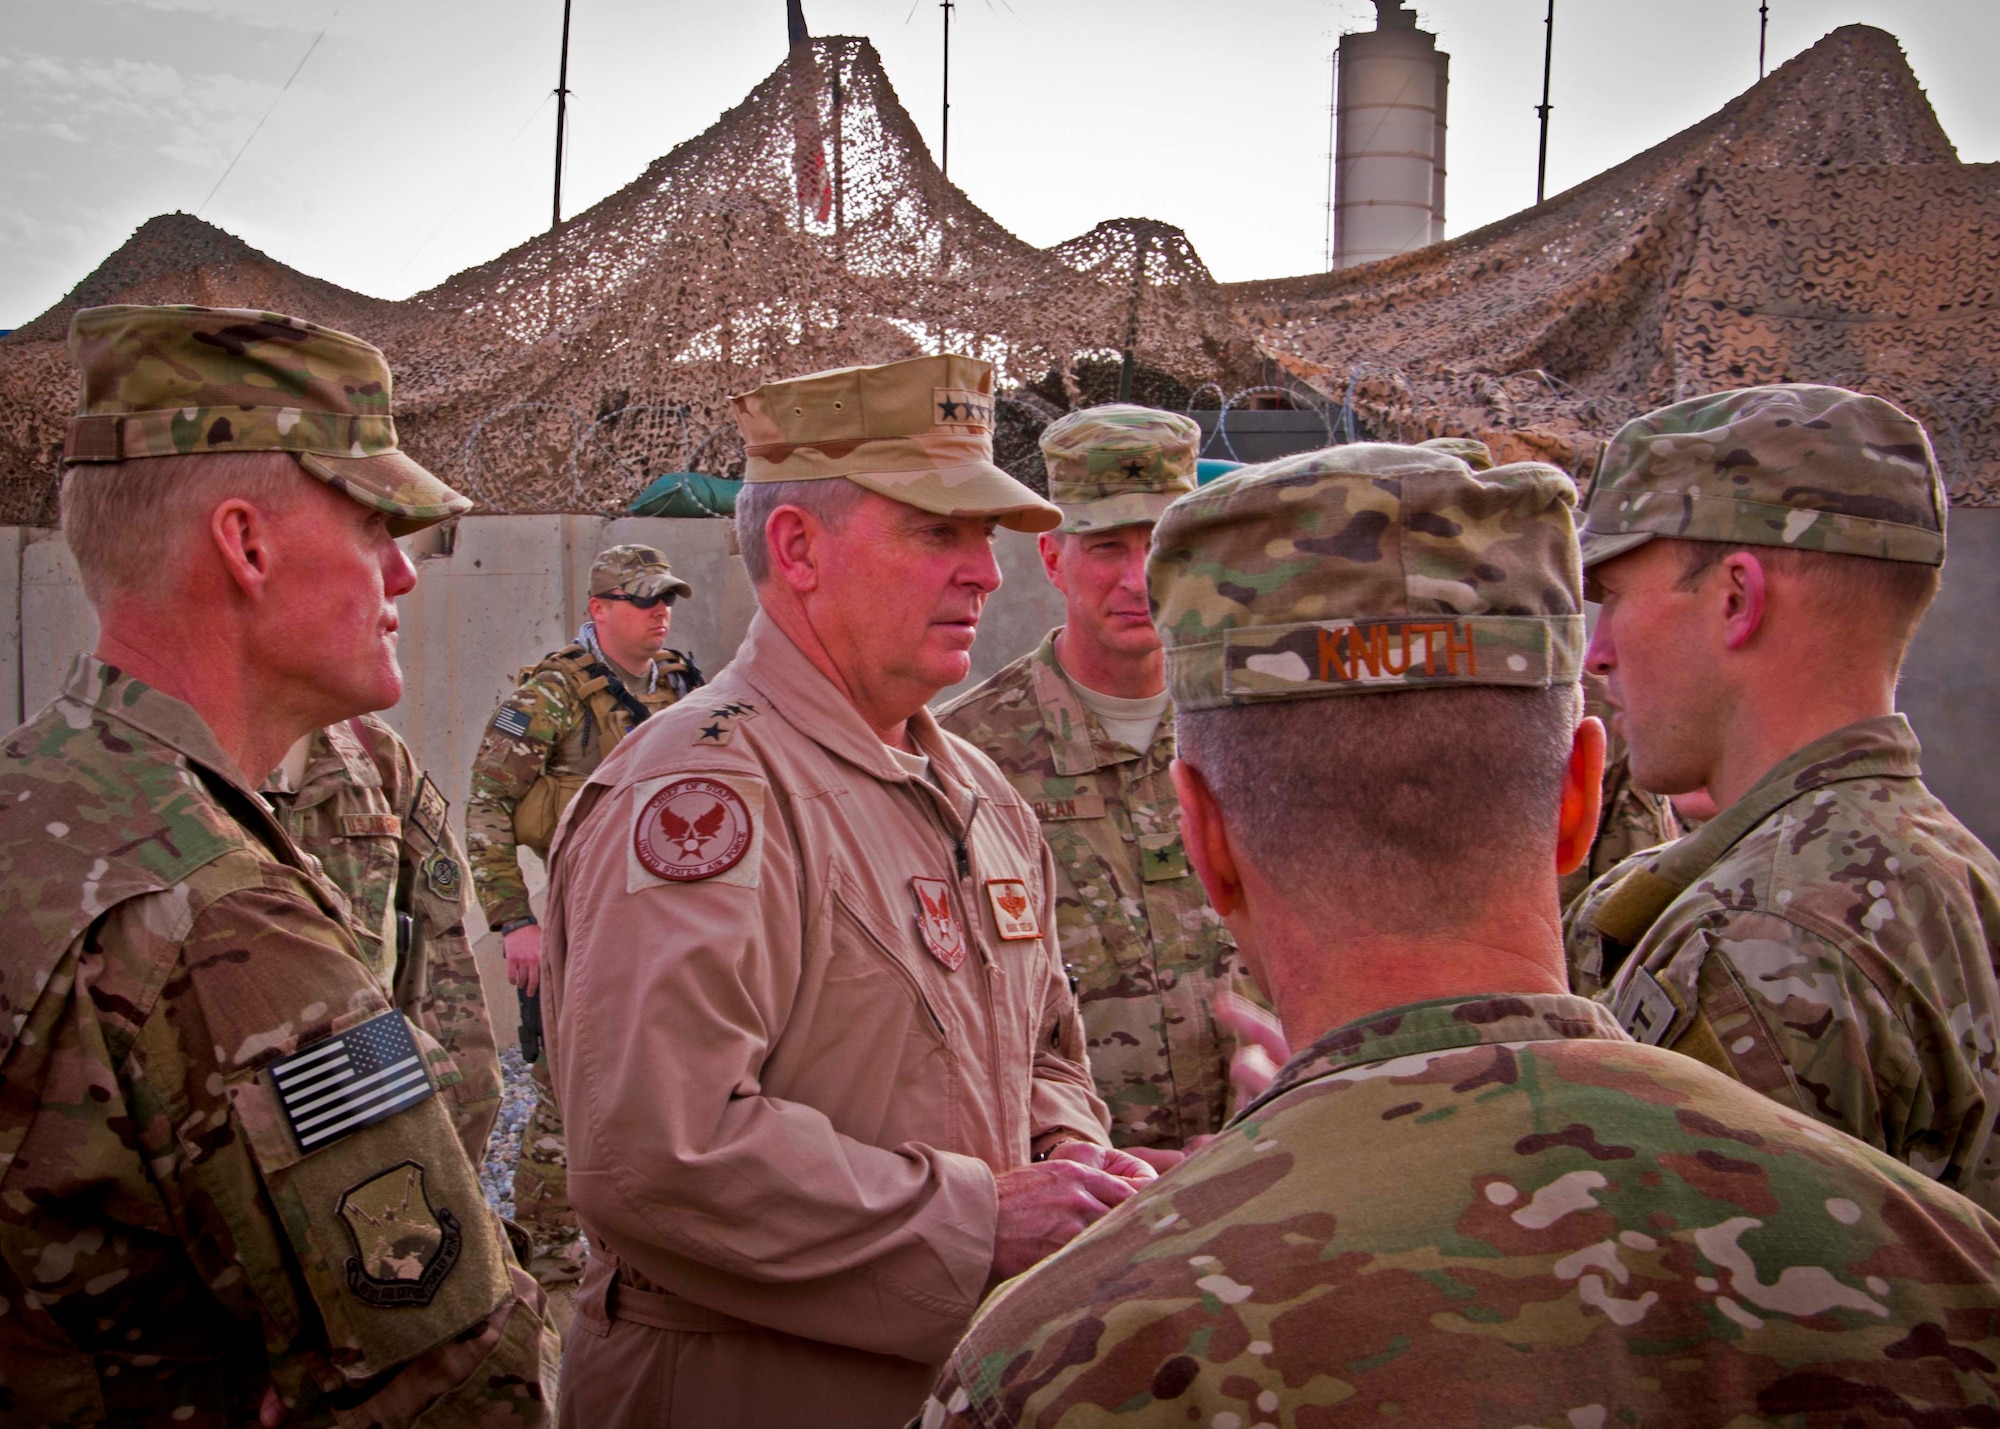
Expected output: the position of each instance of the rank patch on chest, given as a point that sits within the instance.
(351, 1080)
(692, 829)
(936, 921)
(404, 1247)
(1013, 911)
(427, 810)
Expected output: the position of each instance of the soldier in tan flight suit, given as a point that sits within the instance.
(567, 712)
(351, 796)
(809, 1024)
(1082, 726)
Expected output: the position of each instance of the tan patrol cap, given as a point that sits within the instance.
(1119, 465)
(919, 432)
(636, 570)
(187, 381)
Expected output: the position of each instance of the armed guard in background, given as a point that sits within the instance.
(566, 714)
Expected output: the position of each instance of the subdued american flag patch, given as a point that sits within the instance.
(351, 1080)
(511, 722)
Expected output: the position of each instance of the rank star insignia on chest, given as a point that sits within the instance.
(1013, 911)
(937, 922)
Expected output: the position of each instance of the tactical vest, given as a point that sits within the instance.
(605, 699)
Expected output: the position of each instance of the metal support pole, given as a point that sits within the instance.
(1140, 250)
(1332, 115)
(562, 105)
(1548, 62)
(1763, 25)
(944, 146)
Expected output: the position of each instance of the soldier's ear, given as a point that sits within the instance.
(1206, 840)
(1582, 796)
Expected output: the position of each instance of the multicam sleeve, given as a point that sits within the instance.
(519, 739)
(1801, 1021)
(1063, 1100)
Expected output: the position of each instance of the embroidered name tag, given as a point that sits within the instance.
(361, 826)
(351, 1080)
(1013, 913)
(937, 922)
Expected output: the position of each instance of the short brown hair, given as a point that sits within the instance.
(831, 500)
(128, 524)
(1898, 591)
(1409, 808)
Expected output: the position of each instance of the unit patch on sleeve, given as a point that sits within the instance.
(444, 875)
(350, 1080)
(1013, 911)
(937, 922)
(427, 810)
(692, 828)
(404, 1247)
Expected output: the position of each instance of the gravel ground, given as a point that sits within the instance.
(517, 1100)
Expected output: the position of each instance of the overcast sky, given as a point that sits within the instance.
(417, 139)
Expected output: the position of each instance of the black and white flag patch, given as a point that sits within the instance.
(351, 1080)
(512, 722)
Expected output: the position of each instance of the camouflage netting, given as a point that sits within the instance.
(1818, 228)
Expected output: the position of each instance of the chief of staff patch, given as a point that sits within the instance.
(692, 829)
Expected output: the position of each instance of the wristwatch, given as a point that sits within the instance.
(512, 923)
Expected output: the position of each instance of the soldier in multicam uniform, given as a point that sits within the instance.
(351, 795)
(1082, 727)
(1829, 938)
(568, 711)
(229, 1191)
(1470, 1199)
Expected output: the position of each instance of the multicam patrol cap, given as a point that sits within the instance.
(636, 570)
(187, 381)
(1118, 465)
(1803, 467)
(919, 432)
(1365, 569)
(1470, 450)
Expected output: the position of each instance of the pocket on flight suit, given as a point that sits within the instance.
(386, 1218)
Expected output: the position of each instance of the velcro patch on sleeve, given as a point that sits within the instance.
(428, 808)
(350, 1080)
(361, 826)
(695, 828)
(511, 722)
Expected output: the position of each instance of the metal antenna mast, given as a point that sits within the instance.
(1763, 25)
(944, 147)
(1548, 60)
(562, 105)
(1332, 111)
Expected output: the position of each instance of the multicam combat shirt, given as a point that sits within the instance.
(381, 832)
(178, 1230)
(1828, 940)
(1500, 1211)
(1137, 934)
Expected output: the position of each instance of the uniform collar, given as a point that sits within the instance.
(1441, 1025)
(160, 717)
(794, 686)
(1077, 743)
(333, 756)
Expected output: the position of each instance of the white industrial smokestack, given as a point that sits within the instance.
(1388, 188)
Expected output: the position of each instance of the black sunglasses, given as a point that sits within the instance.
(644, 602)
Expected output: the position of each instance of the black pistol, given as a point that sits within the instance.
(531, 1024)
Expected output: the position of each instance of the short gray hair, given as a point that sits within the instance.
(130, 524)
(1406, 808)
(831, 501)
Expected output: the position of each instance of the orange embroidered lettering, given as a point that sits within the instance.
(1364, 650)
(1455, 648)
(1329, 654)
(1384, 641)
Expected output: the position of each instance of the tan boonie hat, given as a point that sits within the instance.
(1795, 466)
(1365, 569)
(919, 432)
(1118, 465)
(635, 570)
(1470, 450)
(185, 381)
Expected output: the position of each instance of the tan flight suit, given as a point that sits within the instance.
(795, 1041)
